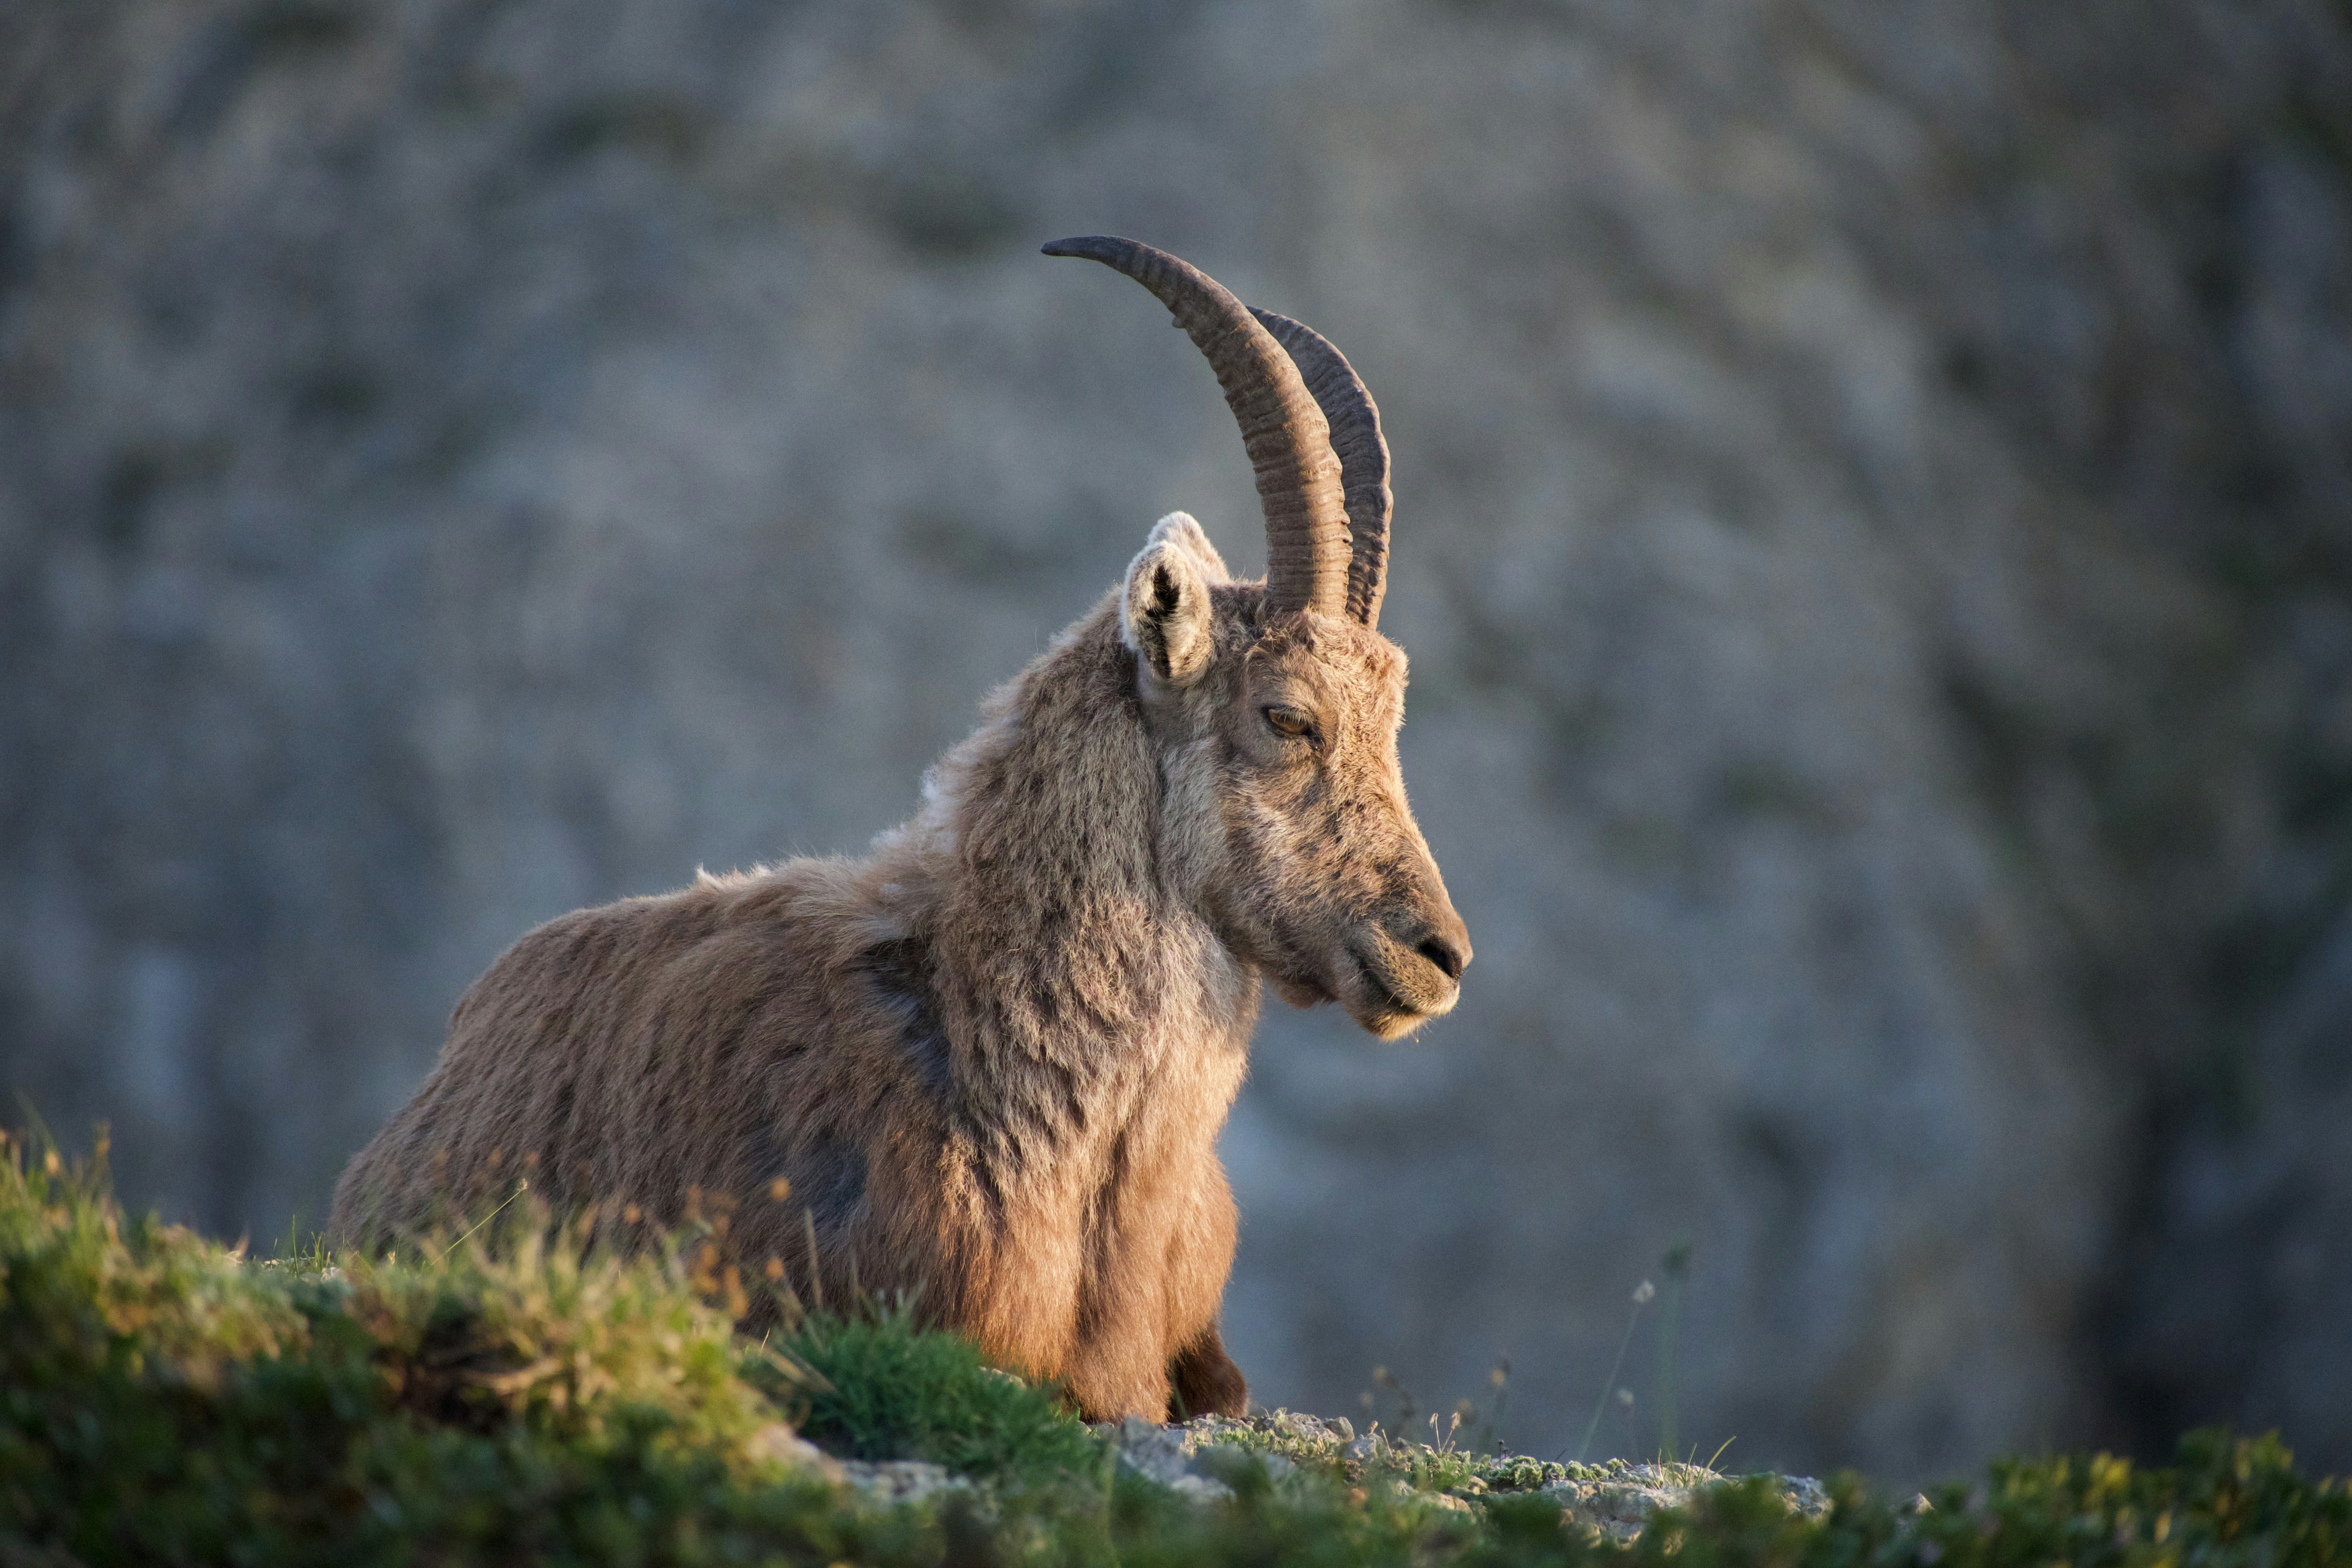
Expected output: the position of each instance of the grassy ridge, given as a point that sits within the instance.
(164, 1401)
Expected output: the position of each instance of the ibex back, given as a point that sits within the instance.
(988, 1064)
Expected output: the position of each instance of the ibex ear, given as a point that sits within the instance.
(1163, 611)
(1178, 529)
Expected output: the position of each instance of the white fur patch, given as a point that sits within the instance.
(1180, 528)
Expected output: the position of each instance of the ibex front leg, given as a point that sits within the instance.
(1204, 1381)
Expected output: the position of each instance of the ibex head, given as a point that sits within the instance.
(1275, 710)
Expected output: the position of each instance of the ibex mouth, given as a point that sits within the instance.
(1395, 997)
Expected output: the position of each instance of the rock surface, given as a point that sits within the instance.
(1203, 1459)
(1620, 1507)
(1183, 1457)
(886, 1481)
(782, 1445)
(1614, 1501)
(894, 1481)
(1874, 493)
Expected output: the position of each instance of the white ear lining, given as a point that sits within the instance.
(1163, 611)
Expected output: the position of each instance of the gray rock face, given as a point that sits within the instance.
(1620, 1507)
(1872, 521)
(781, 1445)
(1190, 1457)
(893, 1481)
(1613, 1501)
(886, 1482)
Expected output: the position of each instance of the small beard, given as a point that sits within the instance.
(1301, 990)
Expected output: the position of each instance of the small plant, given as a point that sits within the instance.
(1644, 1294)
(1675, 1267)
(894, 1391)
(1486, 1425)
(1403, 1408)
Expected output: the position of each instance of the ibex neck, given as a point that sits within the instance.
(1050, 934)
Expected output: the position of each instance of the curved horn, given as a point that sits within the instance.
(1363, 453)
(1289, 442)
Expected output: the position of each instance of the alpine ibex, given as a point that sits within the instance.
(989, 1062)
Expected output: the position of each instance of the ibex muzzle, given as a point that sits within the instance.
(1327, 886)
(989, 1063)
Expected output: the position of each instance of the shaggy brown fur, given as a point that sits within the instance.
(992, 1058)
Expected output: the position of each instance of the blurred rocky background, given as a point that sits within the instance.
(1874, 535)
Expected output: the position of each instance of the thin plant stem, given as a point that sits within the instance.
(521, 1187)
(1677, 1266)
(816, 1275)
(1641, 1299)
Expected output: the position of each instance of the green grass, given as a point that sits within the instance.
(164, 1401)
(893, 1392)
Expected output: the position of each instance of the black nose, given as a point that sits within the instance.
(1449, 951)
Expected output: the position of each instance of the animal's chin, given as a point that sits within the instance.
(1390, 1009)
(1301, 990)
(1379, 1006)
(1393, 1023)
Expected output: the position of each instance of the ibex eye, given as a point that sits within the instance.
(1289, 722)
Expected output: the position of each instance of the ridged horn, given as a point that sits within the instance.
(1355, 420)
(1289, 441)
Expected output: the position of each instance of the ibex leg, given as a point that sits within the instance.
(1206, 1381)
